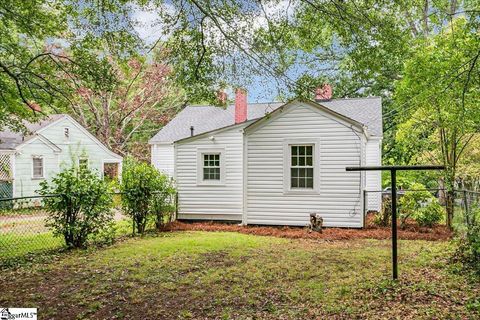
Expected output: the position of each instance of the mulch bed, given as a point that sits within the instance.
(410, 232)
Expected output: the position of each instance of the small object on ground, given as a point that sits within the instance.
(316, 222)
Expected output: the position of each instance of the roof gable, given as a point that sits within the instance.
(9, 140)
(367, 111)
(312, 105)
(16, 140)
(86, 133)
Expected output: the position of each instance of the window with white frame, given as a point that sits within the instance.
(37, 167)
(301, 166)
(211, 166)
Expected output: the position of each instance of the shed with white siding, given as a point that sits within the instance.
(46, 148)
(274, 164)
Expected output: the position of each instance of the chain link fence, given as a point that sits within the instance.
(24, 229)
(465, 203)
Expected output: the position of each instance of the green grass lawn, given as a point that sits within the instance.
(208, 275)
(32, 237)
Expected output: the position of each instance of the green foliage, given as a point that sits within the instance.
(146, 194)
(429, 215)
(412, 201)
(468, 240)
(45, 46)
(81, 207)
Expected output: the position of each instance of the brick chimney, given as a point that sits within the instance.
(323, 92)
(222, 97)
(240, 105)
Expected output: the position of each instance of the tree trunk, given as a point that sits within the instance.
(450, 198)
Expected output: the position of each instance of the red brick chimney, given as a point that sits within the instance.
(323, 92)
(240, 105)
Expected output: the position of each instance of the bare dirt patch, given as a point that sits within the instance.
(411, 232)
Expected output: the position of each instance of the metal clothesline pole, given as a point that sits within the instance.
(393, 174)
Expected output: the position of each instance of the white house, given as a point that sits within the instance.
(48, 145)
(274, 163)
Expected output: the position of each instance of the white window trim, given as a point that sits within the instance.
(43, 168)
(200, 153)
(287, 161)
(104, 161)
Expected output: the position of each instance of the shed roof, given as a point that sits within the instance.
(367, 111)
(9, 140)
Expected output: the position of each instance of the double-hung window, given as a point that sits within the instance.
(211, 166)
(37, 167)
(302, 166)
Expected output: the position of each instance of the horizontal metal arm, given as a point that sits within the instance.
(390, 168)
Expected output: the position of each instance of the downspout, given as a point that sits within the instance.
(244, 177)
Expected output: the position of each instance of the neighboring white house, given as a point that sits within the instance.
(49, 145)
(274, 163)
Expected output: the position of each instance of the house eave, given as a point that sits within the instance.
(360, 126)
(233, 126)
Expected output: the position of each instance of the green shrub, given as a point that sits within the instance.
(146, 194)
(430, 215)
(412, 201)
(468, 240)
(82, 208)
(163, 202)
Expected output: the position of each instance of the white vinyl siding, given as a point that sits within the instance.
(339, 192)
(77, 146)
(26, 184)
(373, 178)
(217, 201)
(162, 158)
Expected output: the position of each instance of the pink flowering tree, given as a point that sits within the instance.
(128, 112)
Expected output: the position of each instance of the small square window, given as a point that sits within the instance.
(211, 166)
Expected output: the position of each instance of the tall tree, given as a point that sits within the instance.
(359, 45)
(42, 43)
(440, 94)
(142, 99)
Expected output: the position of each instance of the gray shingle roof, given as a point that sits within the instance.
(9, 140)
(367, 111)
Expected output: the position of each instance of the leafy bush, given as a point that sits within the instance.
(163, 202)
(82, 208)
(430, 215)
(412, 201)
(146, 194)
(468, 250)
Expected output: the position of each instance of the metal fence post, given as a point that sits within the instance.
(364, 207)
(176, 206)
(465, 206)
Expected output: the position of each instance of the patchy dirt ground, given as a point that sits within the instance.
(411, 232)
(227, 275)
